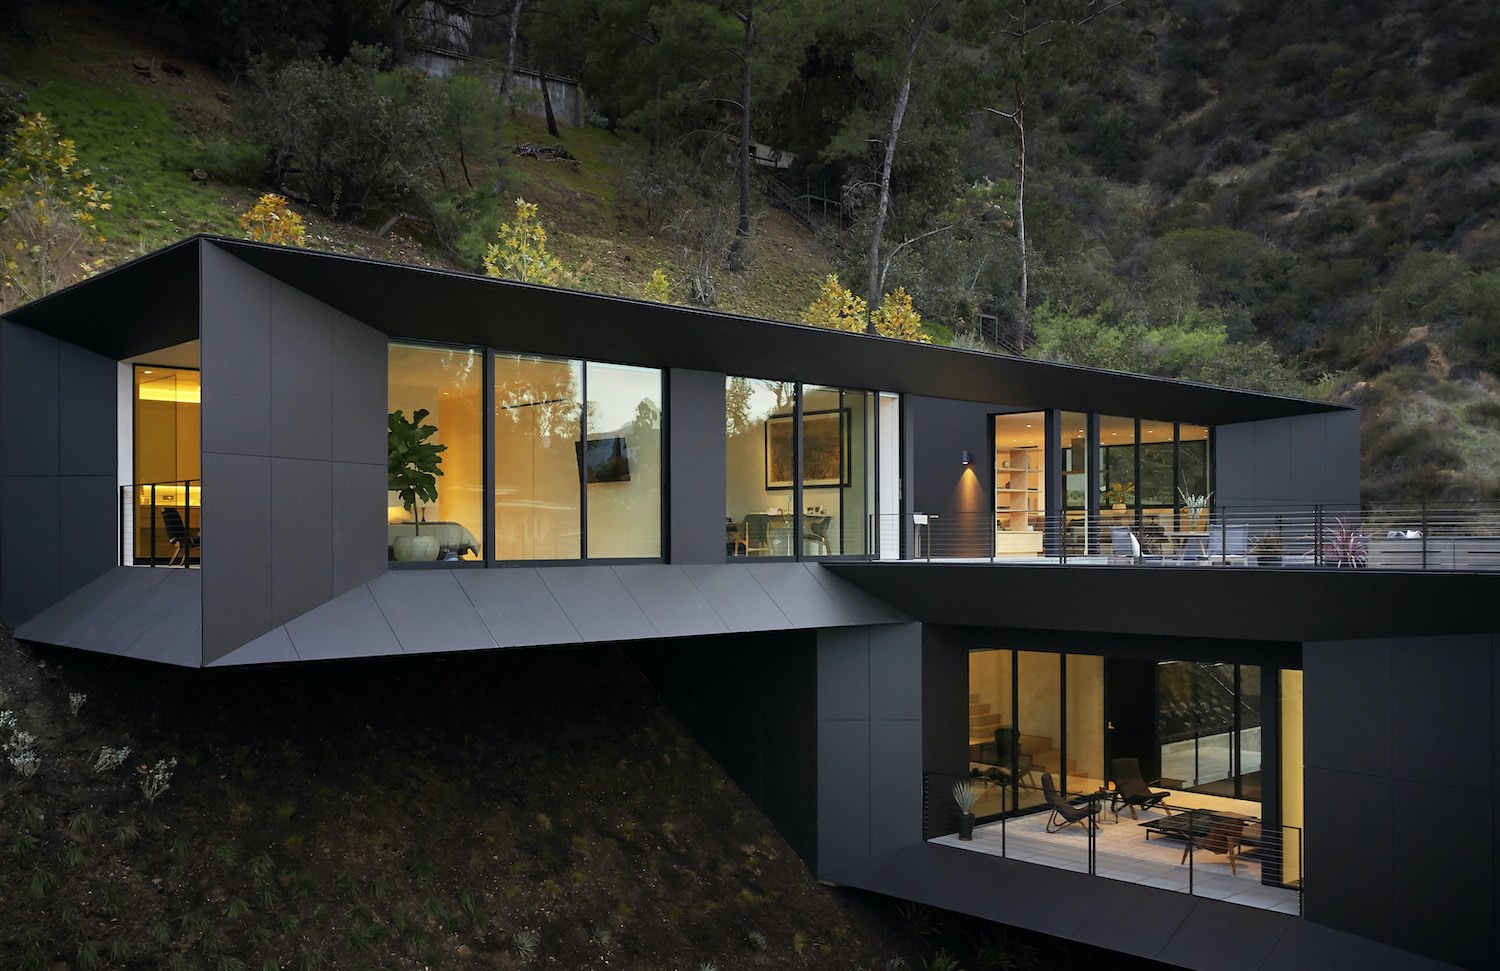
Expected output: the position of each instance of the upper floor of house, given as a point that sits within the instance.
(227, 407)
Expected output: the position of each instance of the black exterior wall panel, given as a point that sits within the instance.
(30, 401)
(1440, 703)
(235, 356)
(517, 607)
(350, 625)
(1348, 838)
(945, 700)
(895, 798)
(30, 561)
(742, 605)
(429, 612)
(962, 496)
(301, 536)
(87, 406)
(844, 807)
(844, 674)
(1272, 478)
(1442, 899)
(696, 473)
(360, 396)
(1288, 462)
(598, 604)
(1347, 695)
(896, 672)
(301, 361)
(358, 501)
(88, 530)
(238, 561)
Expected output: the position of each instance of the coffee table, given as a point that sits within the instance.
(1191, 824)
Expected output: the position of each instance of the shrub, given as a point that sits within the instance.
(836, 307)
(270, 221)
(359, 139)
(522, 254)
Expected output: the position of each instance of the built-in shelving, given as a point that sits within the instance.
(1019, 503)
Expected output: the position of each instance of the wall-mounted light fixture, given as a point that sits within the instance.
(964, 458)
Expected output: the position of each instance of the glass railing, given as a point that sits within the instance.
(1213, 848)
(1462, 537)
(160, 523)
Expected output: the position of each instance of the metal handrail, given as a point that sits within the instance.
(148, 499)
(1456, 537)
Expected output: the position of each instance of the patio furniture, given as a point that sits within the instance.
(1229, 544)
(183, 542)
(1013, 763)
(1131, 790)
(1123, 546)
(757, 534)
(1066, 812)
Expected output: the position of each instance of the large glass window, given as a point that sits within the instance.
(1208, 726)
(447, 383)
(760, 466)
(167, 468)
(1020, 480)
(538, 430)
(622, 461)
(1076, 455)
(838, 446)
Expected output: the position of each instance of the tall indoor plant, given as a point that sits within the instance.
(412, 465)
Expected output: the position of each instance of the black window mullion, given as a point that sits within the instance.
(796, 510)
(487, 450)
(583, 479)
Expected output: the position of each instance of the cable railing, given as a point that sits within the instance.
(1462, 537)
(1216, 851)
(160, 523)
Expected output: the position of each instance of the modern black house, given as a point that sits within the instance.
(862, 571)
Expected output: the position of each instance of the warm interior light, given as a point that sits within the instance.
(964, 458)
(151, 392)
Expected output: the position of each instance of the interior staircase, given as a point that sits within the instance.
(1045, 754)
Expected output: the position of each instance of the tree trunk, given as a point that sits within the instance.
(737, 249)
(1020, 122)
(398, 30)
(882, 206)
(505, 83)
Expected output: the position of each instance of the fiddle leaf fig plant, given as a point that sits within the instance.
(412, 461)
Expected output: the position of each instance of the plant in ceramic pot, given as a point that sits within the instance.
(1120, 494)
(966, 795)
(412, 466)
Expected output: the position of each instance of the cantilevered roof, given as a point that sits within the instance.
(152, 302)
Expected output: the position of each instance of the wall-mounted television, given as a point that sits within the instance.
(604, 459)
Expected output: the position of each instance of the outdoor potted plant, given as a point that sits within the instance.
(1268, 548)
(412, 470)
(1194, 505)
(965, 794)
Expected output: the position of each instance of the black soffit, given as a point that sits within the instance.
(150, 298)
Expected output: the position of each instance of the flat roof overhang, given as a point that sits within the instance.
(153, 302)
(1213, 602)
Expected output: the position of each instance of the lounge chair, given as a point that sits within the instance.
(1013, 764)
(1132, 790)
(1066, 812)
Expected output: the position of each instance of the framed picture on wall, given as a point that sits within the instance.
(825, 449)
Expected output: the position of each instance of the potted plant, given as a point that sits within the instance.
(412, 466)
(1267, 548)
(965, 794)
(1195, 506)
(1120, 494)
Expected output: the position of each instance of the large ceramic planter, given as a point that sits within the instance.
(966, 826)
(410, 549)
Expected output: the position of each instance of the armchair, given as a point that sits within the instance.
(1066, 812)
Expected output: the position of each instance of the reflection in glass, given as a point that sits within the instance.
(1085, 712)
(1076, 451)
(622, 461)
(759, 466)
(1039, 716)
(993, 753)
(447, 383)
(1020, 477)
(1208, 726)
(838, 447)
(538, 420)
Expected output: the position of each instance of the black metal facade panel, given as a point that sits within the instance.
(597, 603)
(742, 605)
(1223, 604)
(1444, 901)
(87, 405)
(800, 597)
(517, 607)
(236, 550)
(896, 672)
(895, 802)
(302, 504)
(30, 560)
(670, 601)
(939, 484)
(696, 456)
(844, 674)
(149, 614)
(1348, 706)
(851, 600)
(359, 499)
(30, 411)
(843, 795)
(429, 612)
(1348, 850)
(349, 625)
(301, 367)
(945, 700)
(360, 394)
(1293, 462)
(273, 648)
(1452, 680)
(235, 355)
(88, 531)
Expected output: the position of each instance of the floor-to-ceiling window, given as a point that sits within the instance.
(538, 427)
(167, 457)
(1034, 712)
(1208, 727)
(1020, 483)
(622, 461)
(813, 483)
(441, 388)
(1077, 453)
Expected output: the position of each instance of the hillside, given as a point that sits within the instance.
(145, 117)
(520, 809)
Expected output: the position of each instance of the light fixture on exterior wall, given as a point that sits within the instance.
(964, 458)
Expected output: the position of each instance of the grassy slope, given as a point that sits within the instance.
(143, 135)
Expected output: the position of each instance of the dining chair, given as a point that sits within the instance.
(757, 534)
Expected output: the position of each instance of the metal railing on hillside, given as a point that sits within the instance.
(1413, 536)
(160, 523)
